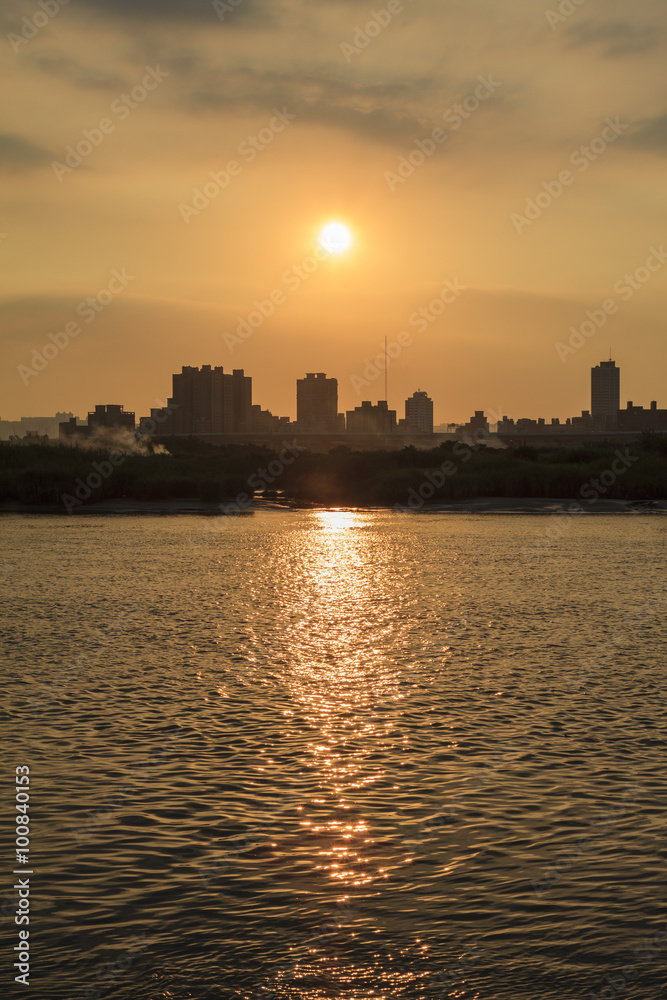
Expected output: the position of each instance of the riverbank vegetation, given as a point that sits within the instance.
(44, 474)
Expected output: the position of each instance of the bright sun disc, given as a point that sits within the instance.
(335, 237)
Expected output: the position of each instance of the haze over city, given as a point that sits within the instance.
(200, 151)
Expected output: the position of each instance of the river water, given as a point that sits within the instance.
(323, 754)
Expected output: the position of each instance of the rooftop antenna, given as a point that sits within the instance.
(386, 373)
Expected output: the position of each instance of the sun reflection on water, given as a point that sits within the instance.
(337, 680)
(338, 520)
(342, 613)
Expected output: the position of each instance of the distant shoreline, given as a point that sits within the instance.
(481, 505)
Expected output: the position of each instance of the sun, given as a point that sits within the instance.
(335, 237)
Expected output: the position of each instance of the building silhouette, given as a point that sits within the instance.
(105, 417)
(528, 425)
(208, 401)
(369, 419)
(605, 390)
(265, 422)
(317, 404)
(419, 413)
(637, 419)
(218, 405)
(49, 426)
(111, 416)
(478, 423)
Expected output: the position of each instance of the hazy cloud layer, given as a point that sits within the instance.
(617, 38)
(383, 112)
(68, 69)
(650, 134)
(18, 154)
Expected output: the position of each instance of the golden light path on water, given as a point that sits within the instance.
(340, 612)
(343, 687)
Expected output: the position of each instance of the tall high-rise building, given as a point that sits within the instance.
(317, 404)
(208, 401)
(239, 385)
(419, 412)
(605, 390)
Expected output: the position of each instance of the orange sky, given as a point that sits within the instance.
(204, 83)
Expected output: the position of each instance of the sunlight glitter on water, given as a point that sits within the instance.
(285, 758)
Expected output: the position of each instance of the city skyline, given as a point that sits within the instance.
(210, 401)
(369, 382)
(154, 207)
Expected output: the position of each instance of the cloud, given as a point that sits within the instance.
(18, 155)
(385, 113)
(73, 72)
(394, 112)
(207, 10)
(616, 38)
(650, 134)
(228, 11)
